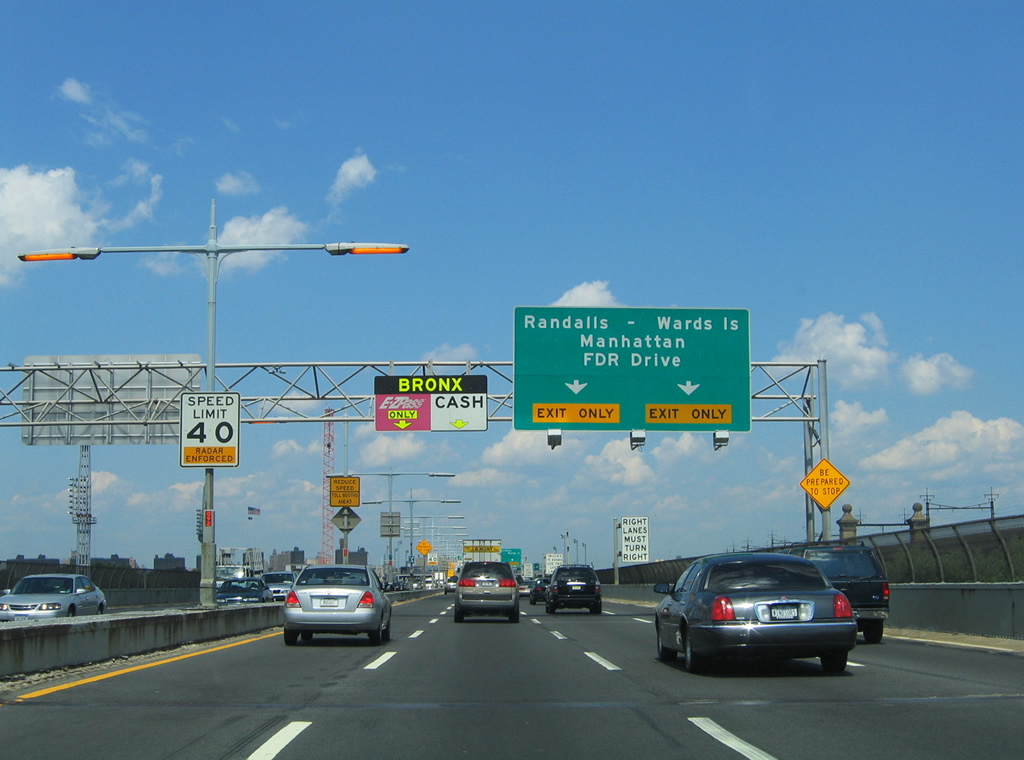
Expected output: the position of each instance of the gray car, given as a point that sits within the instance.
(487, 588)
(338, 599)
(52, 595)
(244, 591)
(754, 605)
(279, 583)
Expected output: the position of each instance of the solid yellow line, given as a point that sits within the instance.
(94, 679)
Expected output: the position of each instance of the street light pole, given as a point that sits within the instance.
(212, 253)
(391, 476)
(410, 501)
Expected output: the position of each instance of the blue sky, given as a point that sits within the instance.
(850, 173)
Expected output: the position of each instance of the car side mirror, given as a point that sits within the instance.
(662, 588)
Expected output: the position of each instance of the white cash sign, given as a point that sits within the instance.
(208, 436)
(635, 532)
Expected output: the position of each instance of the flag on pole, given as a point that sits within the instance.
(254, 511)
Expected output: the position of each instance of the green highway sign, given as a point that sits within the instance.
(579, 368)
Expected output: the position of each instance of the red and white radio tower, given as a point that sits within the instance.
(327, 530)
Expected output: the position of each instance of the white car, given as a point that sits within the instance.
(52, 595)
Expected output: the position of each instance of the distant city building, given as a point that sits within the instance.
(280, 561)
(168, 562)
(355, 557)
(41, 559)
(112, 561)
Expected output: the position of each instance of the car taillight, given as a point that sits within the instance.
(841, 606)
(885, 590)
(292, 600)
(721, 609)
(366, 600)
(597, 588)
(467, 582)
(507, 583)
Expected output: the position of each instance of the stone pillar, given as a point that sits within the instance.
(847, 525)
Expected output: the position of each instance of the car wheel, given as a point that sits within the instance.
(835, 662)
(532, 600)
(459, 617)
(596, 609)
(387, 631)
(291, 638)
(513, 616)
(549, 608)
(873, 631)
(665, 655)
(72, 611)
(99, 611)
(377, 636)
(695, 663)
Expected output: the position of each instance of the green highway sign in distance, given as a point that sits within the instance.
(580, 368)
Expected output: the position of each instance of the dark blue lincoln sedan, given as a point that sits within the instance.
(754, 605)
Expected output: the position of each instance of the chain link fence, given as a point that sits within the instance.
(106, 577)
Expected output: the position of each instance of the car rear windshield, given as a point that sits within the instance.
(328, 576)
(487, 570)
(576, 574)
(845, 564)
(765, 576)
(278, 578)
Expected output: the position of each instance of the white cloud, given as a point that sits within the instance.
(523, 448)
(75, 91)
(856, 352)
(955, 446)
(387, 450)
(446, 352)
(238, 183)
(291, 447)
(926, 376)
(686, 445)
(276, 227)
(40, 210)
(617, 463)
(138, 172)
(593, 293)
(353, 173)
(102, 480)
(108, 119)
(850, 419)
(487, 477)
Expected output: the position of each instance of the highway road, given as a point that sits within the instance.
(570, 685)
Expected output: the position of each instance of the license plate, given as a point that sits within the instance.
(328, 602)
(488, 584)
(788, 612)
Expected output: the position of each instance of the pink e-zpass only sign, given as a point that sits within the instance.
(430, 403)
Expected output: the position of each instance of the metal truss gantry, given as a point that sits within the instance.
(84, 406)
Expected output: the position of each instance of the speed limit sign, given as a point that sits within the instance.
(208, 436)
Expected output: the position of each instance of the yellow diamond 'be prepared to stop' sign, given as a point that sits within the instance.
(824, 483)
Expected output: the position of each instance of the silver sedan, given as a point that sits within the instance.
(340, 599)
(52, 595)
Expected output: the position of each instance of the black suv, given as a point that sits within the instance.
(857, 572)
(573, 586)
